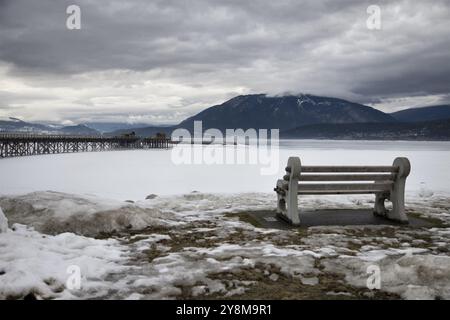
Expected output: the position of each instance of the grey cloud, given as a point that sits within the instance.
(150, 34)
(268, 46)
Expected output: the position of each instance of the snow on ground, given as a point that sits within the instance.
(203, 249)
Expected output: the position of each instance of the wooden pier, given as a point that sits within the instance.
(17, 145)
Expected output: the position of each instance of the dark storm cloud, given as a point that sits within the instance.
(261, 46)
(142, 35)
(425, 71)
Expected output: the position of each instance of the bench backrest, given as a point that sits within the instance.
(327, 179)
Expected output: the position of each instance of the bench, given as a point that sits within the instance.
(386, 182)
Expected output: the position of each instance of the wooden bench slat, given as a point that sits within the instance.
(346, 177)
(349, 169)
(342, 187)
(331, 192)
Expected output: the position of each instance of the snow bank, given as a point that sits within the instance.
(3, 222)
(31, 262)
(55, 212)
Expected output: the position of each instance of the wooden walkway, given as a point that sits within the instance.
(17, 145)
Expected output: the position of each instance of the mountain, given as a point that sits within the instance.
(261, 111)
(440, 112)
(19, 126)
(428, 130)
(297, 116)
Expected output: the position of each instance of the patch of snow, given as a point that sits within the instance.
(334, 293)
(274, 277)
(312, 281)
(376, 255)
(135, 296)
(35, 263)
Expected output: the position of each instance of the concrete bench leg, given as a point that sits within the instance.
(398, 191)
(380, 209)
(281, 198)
(288, 204)
(292, 204)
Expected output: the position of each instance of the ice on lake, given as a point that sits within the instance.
(133, 174)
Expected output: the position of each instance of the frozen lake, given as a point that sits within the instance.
(134, 174)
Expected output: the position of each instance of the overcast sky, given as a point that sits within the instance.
(161, 61)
